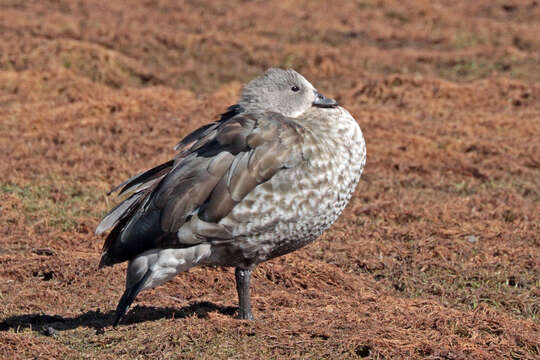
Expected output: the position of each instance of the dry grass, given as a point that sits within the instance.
(437, 256)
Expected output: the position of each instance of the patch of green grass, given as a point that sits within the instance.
(468, 69)
(402, 18)
(465, 69)
(464, 40)
(361, 4)
(58, 208)
(527, 70)
(463, 188)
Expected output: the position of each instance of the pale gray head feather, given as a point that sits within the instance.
(273, 91)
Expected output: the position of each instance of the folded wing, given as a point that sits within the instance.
(180, 203)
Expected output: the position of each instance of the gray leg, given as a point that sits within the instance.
(243, 277)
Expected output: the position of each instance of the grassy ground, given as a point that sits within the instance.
(437, 256)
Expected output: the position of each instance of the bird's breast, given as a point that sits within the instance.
(298, 204)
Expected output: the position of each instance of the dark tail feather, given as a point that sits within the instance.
(108, 259)
(145, 176)
(129, 295)
(119, 212)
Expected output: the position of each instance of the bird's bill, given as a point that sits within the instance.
(324, 102)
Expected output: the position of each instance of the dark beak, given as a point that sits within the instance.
(323, 101)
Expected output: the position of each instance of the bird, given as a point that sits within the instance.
(267, 178)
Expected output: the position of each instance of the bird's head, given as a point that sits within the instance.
(282, 91)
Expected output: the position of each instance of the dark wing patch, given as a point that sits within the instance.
(203, 131)
(219, 164)
(143, 178)
(117, 212)
(139, 185)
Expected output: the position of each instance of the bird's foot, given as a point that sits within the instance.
(244, 315)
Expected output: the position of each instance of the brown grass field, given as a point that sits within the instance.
(437, 256)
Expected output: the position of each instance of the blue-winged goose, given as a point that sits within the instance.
(267, 178)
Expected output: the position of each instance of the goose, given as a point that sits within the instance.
(270, 176)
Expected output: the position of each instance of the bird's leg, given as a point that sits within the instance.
(130, 294)
(243, 277)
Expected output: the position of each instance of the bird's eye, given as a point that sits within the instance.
(295, 88)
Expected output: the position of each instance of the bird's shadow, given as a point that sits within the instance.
(52, 324)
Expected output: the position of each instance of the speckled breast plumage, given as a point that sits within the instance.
(297, 205)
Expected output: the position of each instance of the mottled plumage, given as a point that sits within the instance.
(269, 177)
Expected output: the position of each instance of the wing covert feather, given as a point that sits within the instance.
(223, 166)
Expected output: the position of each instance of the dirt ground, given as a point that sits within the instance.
(437, 256)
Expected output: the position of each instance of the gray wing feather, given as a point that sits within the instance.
(116, 213)
(219, 164)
